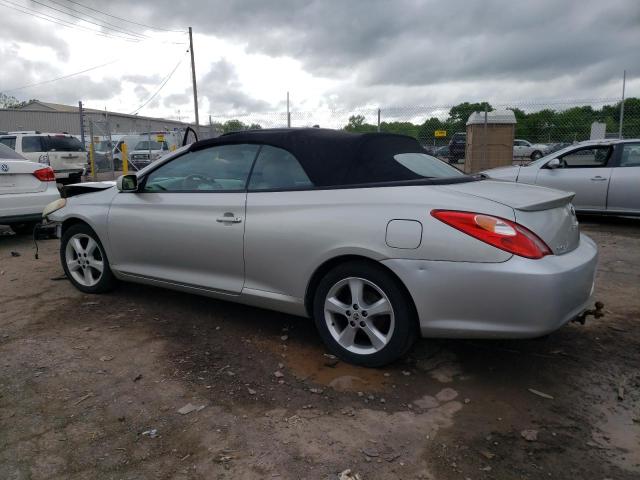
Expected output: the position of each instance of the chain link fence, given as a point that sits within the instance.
(110, 153)
(539, 128)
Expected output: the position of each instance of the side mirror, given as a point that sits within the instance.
(555, 163)
(127, 183)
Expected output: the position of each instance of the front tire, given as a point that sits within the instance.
(84, 260)
(364, 315)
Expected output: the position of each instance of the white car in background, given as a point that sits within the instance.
(147, 151)
(63, 152)
(525, 149)
(604, 175)
(25, 189)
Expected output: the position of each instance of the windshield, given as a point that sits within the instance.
(103, 146)
(7, 153)
(152, 145)
(63, 144)
(426, 165)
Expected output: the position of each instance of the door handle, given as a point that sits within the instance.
(598, 178)
(229, 217)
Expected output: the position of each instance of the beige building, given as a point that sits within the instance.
(489, 140)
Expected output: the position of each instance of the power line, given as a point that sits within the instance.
(61, 78)
(59, 21)
(85, 20)
(124, 19)
(164, 82)
(99, 19)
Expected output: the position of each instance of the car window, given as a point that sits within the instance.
(9, 142)
(276, 168)
(426, 165)
(32, 144)
(62, 143)
(630, 155)
(7, 153)
(219, 168)
(592, 157)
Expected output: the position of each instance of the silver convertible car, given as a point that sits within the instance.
(603, 174)
(374, 239)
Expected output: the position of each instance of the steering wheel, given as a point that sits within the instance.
(193, 181)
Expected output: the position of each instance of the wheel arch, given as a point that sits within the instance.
(331, 263)
(69, 222)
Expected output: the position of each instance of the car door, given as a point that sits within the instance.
(624, 186)
(518, 147)
(276, 237)
(185, 224)
(586, 171)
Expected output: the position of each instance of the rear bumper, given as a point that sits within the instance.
(518, 298)
(26, 207)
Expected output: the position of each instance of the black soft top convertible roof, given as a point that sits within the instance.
(334, 157)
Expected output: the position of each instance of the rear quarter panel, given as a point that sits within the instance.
(288, 235)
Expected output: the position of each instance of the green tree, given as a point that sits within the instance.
(9, 101)
(238, 126)
(357, 123)
(459, 114)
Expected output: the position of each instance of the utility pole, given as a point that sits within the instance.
(193, 76)
(288, 113)
(81, 112)
(624, 79)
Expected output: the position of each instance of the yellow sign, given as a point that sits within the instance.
(440, 133)
(159, 138)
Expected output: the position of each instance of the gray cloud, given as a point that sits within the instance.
(141, 92)
(177, 100)
(401, 52)
(222, 88)
(17, 27)
(142, 79)
(368, 44)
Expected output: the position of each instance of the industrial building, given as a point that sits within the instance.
(55, 117)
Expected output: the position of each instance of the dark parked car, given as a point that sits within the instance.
(442, 152)
(457, 145)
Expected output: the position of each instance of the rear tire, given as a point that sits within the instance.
(536, 155)
(25, 228)
(84, 260)
(364, 315)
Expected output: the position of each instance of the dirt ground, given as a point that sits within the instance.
(91, 387)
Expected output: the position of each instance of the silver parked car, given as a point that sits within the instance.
(365, 233)
(604, 174)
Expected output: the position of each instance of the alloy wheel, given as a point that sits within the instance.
(359, 315)
(85, 260)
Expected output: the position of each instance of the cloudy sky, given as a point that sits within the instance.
(330, 54)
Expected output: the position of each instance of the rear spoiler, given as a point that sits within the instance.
(88, 187)
(560, 199)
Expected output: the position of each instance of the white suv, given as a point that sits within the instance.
(63, 152)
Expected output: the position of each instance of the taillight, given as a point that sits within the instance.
(45, 174)
(498, 232)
